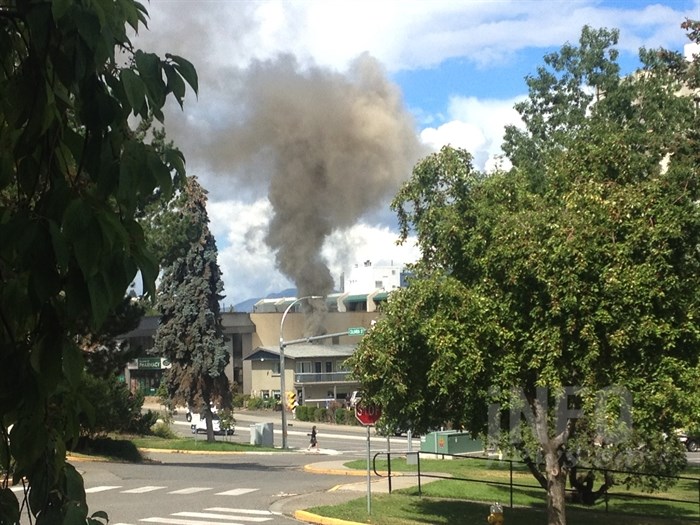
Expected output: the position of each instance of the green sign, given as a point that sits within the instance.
(356, 331)
(148, 363)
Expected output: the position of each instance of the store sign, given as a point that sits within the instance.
(148, 363)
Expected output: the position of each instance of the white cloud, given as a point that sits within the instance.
(475, 125)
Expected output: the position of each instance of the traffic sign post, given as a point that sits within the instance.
(368, 415)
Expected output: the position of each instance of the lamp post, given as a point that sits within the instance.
(282, 371)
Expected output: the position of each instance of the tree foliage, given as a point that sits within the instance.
(190, 334)
(72, 175)
(554, 307)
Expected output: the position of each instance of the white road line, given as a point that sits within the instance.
(235, 492)
(141, 490)
(190, 490)
(209, 515)
(240, 511)
(175, 521)
(101, 488)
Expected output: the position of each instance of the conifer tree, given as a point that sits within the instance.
(190, 334)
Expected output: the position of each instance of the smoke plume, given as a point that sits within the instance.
(330, 147)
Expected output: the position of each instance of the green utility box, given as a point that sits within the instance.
(449, 442)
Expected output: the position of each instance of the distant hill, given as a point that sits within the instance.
(247, 305)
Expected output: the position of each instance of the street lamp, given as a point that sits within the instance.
(282, 378)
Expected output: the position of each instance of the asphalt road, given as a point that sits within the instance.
(333, 439)
(194, 489)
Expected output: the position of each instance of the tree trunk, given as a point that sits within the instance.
(556, 490)
(210, 427)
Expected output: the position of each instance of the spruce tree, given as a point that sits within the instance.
(190, 333)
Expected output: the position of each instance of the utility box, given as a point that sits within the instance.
(255, 435)
(262, 434)
(449, 442)
(267, 434)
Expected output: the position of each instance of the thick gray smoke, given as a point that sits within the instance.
(331, 147)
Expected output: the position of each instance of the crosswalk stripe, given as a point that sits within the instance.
(235, 492)
(240, 511)
(190, 490)
(141, 490)
(209, 515)
(101, 488)
(175, 521)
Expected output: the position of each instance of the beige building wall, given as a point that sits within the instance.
(267, 333)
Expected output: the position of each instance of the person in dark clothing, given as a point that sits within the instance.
(313, 442)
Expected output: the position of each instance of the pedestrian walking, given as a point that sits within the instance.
(313, 442)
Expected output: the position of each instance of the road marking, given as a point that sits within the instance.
(190, 490)
(240, 511)
(175, 521)
(235, 492)
(141, 490)
(102, 488)
(209, 515)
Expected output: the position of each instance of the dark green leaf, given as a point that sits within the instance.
(187, 70)
(135, 90)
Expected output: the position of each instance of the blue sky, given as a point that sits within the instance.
(368, 86)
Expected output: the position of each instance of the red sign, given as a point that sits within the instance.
(368, 414)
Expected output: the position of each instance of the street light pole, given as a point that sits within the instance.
(283, 387)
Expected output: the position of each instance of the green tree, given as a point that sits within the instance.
(190, 334)
(553, 301)
(72, 174)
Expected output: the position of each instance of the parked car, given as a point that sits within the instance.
(201, 426)
(692, 443)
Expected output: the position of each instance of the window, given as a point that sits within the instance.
(304, 367)
(329, 367)
(317, 367)
(276, 368)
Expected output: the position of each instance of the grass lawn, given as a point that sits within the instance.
(195, 444)
(120, 447)
(452, 501)
(403, 509)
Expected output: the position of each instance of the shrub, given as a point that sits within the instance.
(321, 414)
(302, 413)
(116, 409)
(163, 430)
(112, 448)
(341, 415)
(255, 403)
(143, 423)
(240, 400)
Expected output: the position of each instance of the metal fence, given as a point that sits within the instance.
(513, 486)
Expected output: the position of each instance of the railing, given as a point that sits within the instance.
(513, 485)
(322, 377)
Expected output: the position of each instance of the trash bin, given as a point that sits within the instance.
(255, 435)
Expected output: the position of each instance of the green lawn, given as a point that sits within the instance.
(444, 500)
(402, 509)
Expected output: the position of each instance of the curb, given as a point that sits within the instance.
(303, 515)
